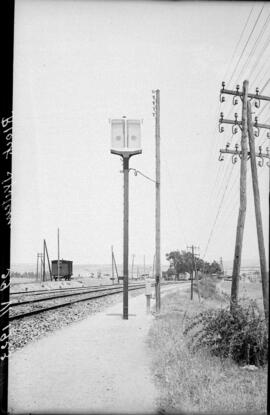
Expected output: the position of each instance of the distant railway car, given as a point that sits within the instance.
(65, 269)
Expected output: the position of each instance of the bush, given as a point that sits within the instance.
(241, 335)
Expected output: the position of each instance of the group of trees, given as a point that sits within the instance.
(182, 261)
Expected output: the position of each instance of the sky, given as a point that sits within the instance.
(78, 64)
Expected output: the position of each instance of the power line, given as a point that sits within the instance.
(255, 45)
(239, 40)
(253, 28)
(217, 215)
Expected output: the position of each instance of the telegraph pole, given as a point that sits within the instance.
(132, 266)
(243, 202)
(156, 113)
(194, 269)
(58, 255)
(258, 214)
(112, 266)
(243, 154)
(43, 273)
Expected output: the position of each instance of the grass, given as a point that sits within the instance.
(199, 383)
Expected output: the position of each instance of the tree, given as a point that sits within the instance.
(183, 262)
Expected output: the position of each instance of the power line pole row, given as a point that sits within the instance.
(247, 126)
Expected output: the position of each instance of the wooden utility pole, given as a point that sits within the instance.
(37, 266)
(243, 202)
(157, 136)
(112, 266)
(133, 256)
(144, 264)
(58, 255)
(48, 259)
(43, 273)
(197, 280)
(258, 214)
(194, 270)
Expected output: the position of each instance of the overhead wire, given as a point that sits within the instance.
(255, 45)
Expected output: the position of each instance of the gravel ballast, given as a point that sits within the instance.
(34, 327)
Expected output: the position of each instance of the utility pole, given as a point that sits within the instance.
(156, 113)
(43, 274)
(144, 264)
(48, 259)
(58, 255)
(243, 154)
(133, 256)
(243, 202)
(112, 266)
(153, 268)
(192, 248)
(258, 214)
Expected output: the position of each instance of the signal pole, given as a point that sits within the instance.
(243, 154)
(126, 142)
(156, 113)
(258, 214)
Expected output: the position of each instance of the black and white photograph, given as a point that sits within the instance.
(135, 207)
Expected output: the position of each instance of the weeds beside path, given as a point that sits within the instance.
(197, 382)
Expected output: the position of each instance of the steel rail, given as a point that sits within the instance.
(37, 292)
(38, 300)
(42, 310)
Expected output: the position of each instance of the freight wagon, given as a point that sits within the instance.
(65, 269)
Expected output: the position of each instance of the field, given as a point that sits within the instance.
(198, 382)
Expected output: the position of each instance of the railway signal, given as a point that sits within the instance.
(125, 142)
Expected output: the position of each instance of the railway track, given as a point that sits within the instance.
(65, 293)
(57, 290)
(86, 297)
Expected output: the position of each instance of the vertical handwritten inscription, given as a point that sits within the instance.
(4, 312)
(6, 124)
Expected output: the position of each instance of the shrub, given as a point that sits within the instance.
(240, 335)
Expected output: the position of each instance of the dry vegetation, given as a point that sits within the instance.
(199, 382)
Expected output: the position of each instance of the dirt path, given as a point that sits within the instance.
(100, 364)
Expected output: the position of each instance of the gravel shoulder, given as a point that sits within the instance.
(100, 364)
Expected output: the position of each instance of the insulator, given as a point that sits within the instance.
(236, 115)
(256, 133)
(228, 145)
(257, 90)
(260, 149)
(256, 120)
(223, 84)
(222, 99)
(221, 115)
(237, 88)
(236, 147)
